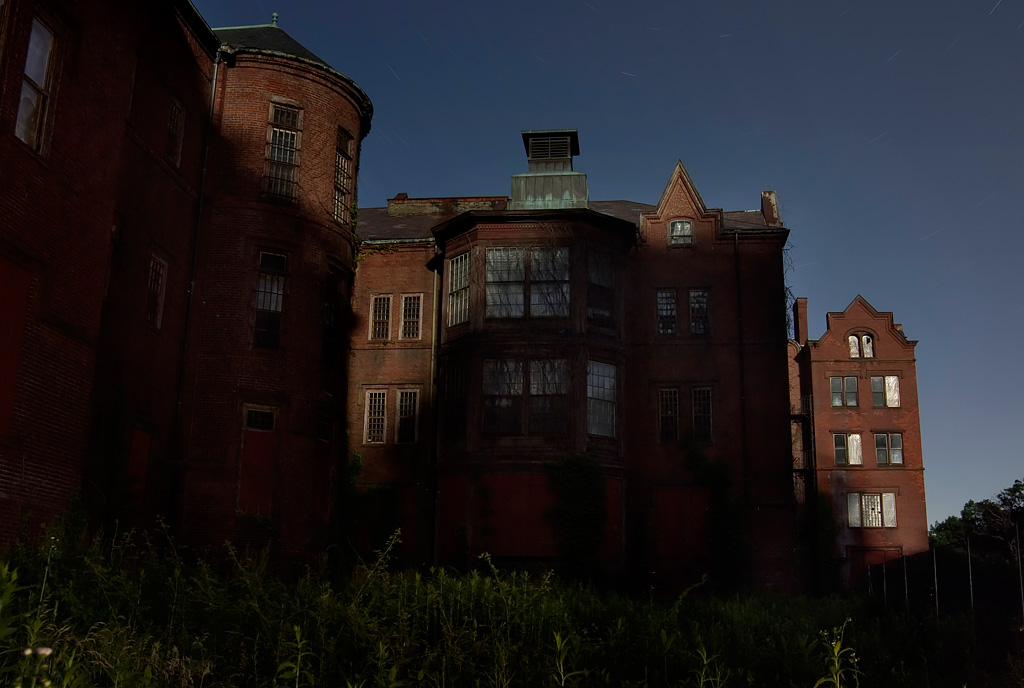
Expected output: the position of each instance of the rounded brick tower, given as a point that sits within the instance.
(266, 373)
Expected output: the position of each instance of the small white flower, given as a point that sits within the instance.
(45, 651)
(27, 652)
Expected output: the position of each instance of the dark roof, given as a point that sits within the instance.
(267, 37)
(376, 224)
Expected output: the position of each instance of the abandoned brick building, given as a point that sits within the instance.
(192, 330)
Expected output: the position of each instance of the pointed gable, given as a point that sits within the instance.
(680, 201)
(861, 318)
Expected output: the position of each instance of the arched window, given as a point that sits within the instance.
(861, 345)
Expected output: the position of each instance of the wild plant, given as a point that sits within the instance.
(840, 661)
(564, 672)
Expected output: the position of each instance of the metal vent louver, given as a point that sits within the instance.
(547, 148)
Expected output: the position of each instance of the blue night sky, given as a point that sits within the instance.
(892, 131)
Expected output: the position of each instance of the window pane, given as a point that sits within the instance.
(458, 289)
(854, 346)
(853, 510)
(867, 346)
(407, 406)
(871, 505)
(505, 300)
(411, 317)
(680, 232)
(896, 448)
(376, 406)
(550, 264)
(877, 392)
(668, 403)
(889, 509)
(38, 60)
(839, 444)
(29, 113)
(853, 448)
(549, 387)
(702, 414)
(381, 325)
(836, 386)
(698, 311)
(881, 450)
(505, 272)
(666, 311)
(505, 265)
(601, 399)
(892, 391)
(549, 299)
(851, 391)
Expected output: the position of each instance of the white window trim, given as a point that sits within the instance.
(419, 316)
(462, 292)
(366, 417)
(372, 320)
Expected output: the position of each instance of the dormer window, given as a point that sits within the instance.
(861, 345)
(680, 233)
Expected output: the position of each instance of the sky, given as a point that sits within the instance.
(892, 131)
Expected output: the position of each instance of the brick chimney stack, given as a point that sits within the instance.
(800, 321)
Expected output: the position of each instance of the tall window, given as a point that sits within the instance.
(343, 177)
(847, 449)
(36, 86)
(155, 290)
(506, 275)
(380, 317)
(549, 282)
(666, 311)
(503, 397)
(600, 289)
(699, 320)
(549, 396)
(885, 391)
(601, 395)
(283, 150)
(843, 390)
(269, 300)
(458, 289)
(868, 510)
(680, 233)
(889, 449)
(702, 414)
(453, 399)
(376, 416)
(408, 411)
(668, 410)
(411, 313)
(175, 133)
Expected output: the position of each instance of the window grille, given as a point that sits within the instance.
(376, 416)
(666, 311)
(680, 233)
(458, 289)
(411, 316)
(175, 133)
(601, 396)
(699, 311)
(505, 272)
(889, 449)
(408, 401)
(551, 147)
(702, 414)
(549, 282)
(156, 288)
(549, 390)
(269, 302)
(343, 177)
(871, 510)
(35, 88)
(668, 405)
(380, 322)
(503, 397)
(283, 151)
(843, 391)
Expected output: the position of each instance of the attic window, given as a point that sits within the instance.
(549, 147)
(861, 345)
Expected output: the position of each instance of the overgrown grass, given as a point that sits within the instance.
(131, 612)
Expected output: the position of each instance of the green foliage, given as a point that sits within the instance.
(991, 525)
(131, 611)
(579, 513)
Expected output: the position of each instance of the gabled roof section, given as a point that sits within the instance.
(680, 182)
(860, 313)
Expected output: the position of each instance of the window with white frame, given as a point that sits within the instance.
(269, 300)
(701, 398)
(668, 412)
(380, 317)
(156, 288)
(843, 390)
(458, 289)
(885, 391)
(408, 413)
(175, 133)
(889, 449)
(283, 139)
(411, 316)
(666, 303)
(680, 233)
(871, 509)
(601, 396)
(342, 177)
(847, 449)
(699, 316)
(36, 86)
(861, 345)
(376, 416)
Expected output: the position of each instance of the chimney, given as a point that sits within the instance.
(551, 181)
(800, 320)
(770, 209)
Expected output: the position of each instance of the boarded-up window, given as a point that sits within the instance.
(601, 397)
(14, 285)
(668, 411)
(256, 466)
(854, 346)
(458, 289)
(871, 510)
(867, 345)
